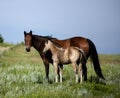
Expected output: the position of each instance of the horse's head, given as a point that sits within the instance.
(28, 40)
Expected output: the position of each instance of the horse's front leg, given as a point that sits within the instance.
(46, 64)
(56, 71)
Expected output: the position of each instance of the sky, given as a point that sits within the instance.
(98, 20)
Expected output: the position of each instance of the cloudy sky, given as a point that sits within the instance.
(98, 20)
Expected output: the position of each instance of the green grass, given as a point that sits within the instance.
(6, 44)
(22, 76)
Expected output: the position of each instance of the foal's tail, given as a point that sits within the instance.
(84, 58)
(94, 57)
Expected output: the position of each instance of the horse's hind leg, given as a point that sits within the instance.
(84, 72)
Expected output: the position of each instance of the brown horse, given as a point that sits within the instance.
(62, 56)
(38, 42)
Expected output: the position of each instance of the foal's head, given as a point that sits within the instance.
(50, 45)
(28, 40)
(47, 47)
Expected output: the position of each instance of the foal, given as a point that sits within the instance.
(60, 56)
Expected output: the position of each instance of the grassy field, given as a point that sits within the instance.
(22, 76)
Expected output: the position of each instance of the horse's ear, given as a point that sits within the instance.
(25, 33)
(30, 32)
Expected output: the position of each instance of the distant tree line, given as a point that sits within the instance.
(1, 39)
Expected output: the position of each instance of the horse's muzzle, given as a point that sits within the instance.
(28, 49)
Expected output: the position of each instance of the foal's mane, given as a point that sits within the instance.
(55, 43)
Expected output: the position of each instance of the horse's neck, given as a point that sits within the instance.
(36, 42)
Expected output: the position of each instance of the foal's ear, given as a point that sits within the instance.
(30, 32)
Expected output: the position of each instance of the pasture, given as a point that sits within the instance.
(22, 76)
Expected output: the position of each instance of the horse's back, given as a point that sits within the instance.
(77, 41)
(80, 42)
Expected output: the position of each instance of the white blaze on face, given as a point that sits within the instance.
(28, 42)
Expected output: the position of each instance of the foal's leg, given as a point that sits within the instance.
(80, 72)
(56, 71)
(75, 68)
(61, 70)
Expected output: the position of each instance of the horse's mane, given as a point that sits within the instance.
(49, 37)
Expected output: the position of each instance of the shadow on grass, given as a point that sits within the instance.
(97, 80)
(44, 81)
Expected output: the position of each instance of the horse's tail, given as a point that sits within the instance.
(95, 59)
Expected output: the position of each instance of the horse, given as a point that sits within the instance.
(38, 42)
(62, 56)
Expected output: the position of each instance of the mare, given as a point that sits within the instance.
(38, 42)
(62, 56)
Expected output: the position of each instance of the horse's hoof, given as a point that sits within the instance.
(46, 80)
